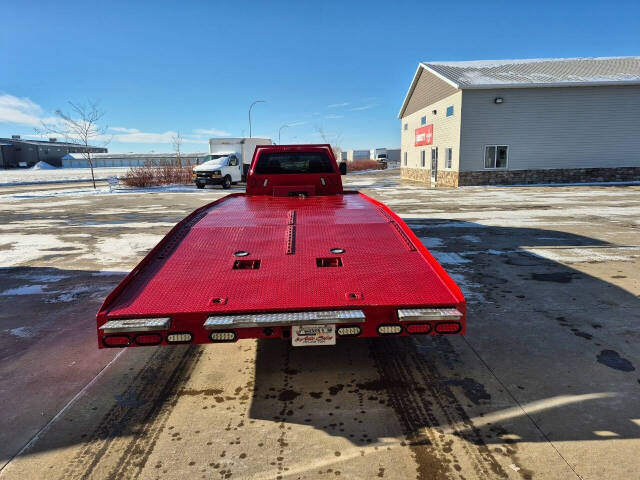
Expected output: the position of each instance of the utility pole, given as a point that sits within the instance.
(257, 101)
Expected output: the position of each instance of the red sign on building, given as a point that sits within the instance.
(424, 135)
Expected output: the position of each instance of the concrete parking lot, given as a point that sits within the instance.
(545, 385)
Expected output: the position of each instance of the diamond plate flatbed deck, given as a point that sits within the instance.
(191, 272)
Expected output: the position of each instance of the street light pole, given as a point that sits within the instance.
(279, 130)
(257, 101)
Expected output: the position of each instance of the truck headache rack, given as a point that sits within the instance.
(264, 265)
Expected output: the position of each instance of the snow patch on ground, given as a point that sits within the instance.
(69, 295)
(25, 248)
(448, 258)
(126, 249)
(31, 175)
(581, 255)
(24, 290)
(79, 192)
(22, 332)
(471, 238)
(45, 278)
(431, 242)
(470, 290)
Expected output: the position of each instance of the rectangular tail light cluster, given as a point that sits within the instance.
(419, 328)
(223, 336)
(350, 331)
(428, 314)
(422, 321)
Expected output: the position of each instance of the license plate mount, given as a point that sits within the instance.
(313, 335)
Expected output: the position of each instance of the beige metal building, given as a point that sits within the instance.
(522, 121)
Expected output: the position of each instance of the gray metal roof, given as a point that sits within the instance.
(538, 72)
(28, 141)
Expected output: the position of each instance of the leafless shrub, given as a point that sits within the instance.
(154, 173)
(362, 165)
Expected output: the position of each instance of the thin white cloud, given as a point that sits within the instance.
(333, 116)
(152, 137)
(364, 107)
(339, 105)
(212, 131)
(124, 129)
(296, 124)
(22, 111)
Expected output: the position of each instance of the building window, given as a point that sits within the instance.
(405, 159)
(422, 159)
(423, 120)
(450, 111)
(434, 153)
(495, 156)
(406, 126)
(448, 158)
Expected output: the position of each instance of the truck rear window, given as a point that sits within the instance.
(293, 162)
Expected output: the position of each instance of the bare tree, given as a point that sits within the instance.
(176, 141)
(333, 139)
(81, 127)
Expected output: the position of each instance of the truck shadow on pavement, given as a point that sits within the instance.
(550, 355)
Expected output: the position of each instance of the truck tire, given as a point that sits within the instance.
(200, 185)
(226, 182)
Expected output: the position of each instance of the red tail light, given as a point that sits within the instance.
(116, 340)
(448, 327)
(149, 339)
(419, 328)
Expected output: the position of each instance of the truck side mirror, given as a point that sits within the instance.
(343, 168)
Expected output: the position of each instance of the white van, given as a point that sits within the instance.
(220, 169)
(228, 161)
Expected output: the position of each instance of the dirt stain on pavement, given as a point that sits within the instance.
(473, 390)
(612, 359)
(208, 392)
(287, 395)
(557, 277)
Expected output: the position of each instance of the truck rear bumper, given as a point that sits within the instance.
(208, 180)
(375, 322)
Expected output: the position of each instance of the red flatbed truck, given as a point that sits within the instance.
(294, 257)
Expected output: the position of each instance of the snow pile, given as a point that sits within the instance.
(43, 166)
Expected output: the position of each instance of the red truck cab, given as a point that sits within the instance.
(295, 257)
(290, 170)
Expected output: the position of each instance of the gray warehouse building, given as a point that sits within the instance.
(522, 121)
(16, 152)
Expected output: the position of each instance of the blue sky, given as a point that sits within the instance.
(343, 67)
